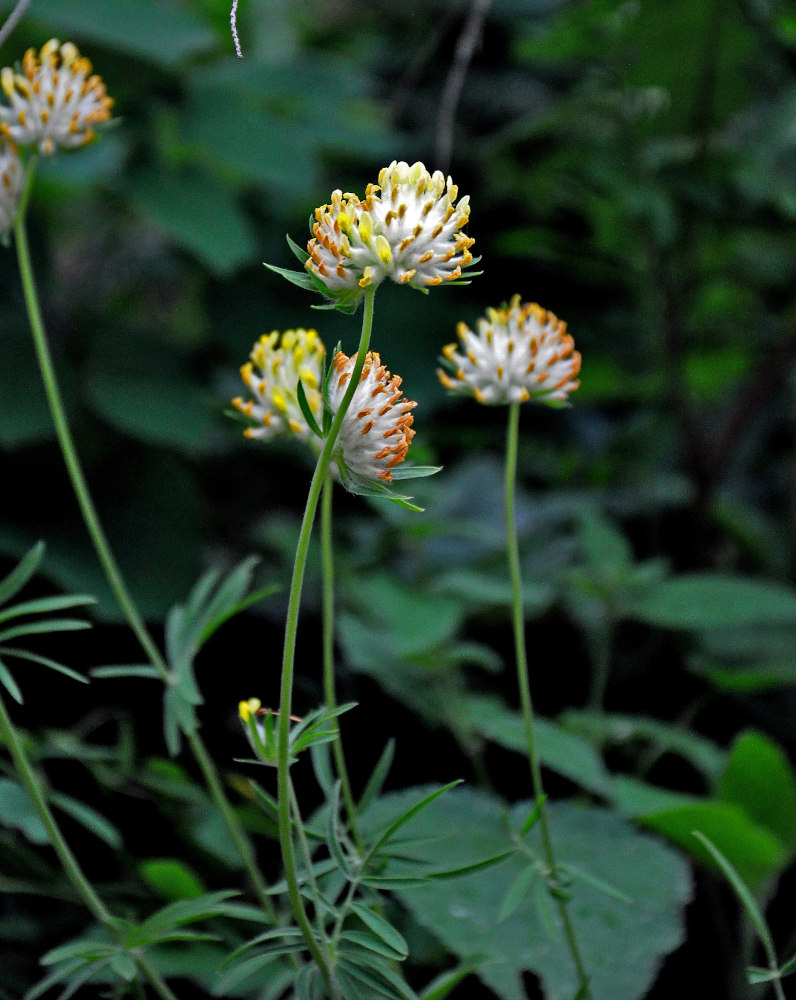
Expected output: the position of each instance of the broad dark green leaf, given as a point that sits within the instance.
(163, 33)
(623, 943)
(89, 818)
(712, 600)
(200, 217)
(760, 780)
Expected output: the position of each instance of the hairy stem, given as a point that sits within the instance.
(99, 538)
(327, 571)
(289, 653)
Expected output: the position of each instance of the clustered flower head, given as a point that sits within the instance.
(55, 101)
(11, 179)
(277, 363)
(520, 353)
(377, 427)
(411, 233)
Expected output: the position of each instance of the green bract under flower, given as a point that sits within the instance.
(11, 179)
(520, 353)
(377, 427)
(277, 363)
(411, 233)
(55, 101)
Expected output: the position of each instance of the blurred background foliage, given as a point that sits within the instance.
(632, 167)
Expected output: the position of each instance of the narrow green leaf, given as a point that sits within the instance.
(21, 573)
(300, 278)
(378, 974)
(788, 967)
(133, 670)
(89, 818)
(304, 986)
(46, 605)
(81, 978)
(517, 892)
(369, 942)
(185, 911)
(304, 406)
(45, 661)
(385, 882)
(445, 982)
(755, 974)
(408, 471)
(227, 598)
(744, 896)
(44, 627)
(299, 252)
(381, 928)
(476, 866)
(124, 966)
(84, 949)
(350, 987)
(10, 684)
(333, 838)
(376, 781)
(171, 879)
(598, 883)
(536, 812)
(53, 978)
(243, 970)
(276, 935)
(406, 816)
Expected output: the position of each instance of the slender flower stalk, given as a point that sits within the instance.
(102, 546)
(520, 353)
(56, 101)
(32, 784)
(327, 573)
(289, 652)
(518, 625)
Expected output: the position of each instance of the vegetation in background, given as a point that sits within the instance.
(631, 167)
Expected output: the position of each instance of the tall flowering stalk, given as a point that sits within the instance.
(520, 353)
(411, 233)
(56, 102)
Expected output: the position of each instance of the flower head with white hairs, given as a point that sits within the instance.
(11, 180)
(520, 353)
(55, 101)
(407, 228)
(377, 427)
(277, 363)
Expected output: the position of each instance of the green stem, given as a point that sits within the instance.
(289, 652)
(66, 441)
(307, 855)
(99, 539)
(34, 789)
(601, 642)
(518, 622)
(156, 981)
(239, 838)
(69, 862)
(327, 571)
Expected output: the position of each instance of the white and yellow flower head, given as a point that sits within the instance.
(11, 179)
(55, 101)
(277, 363)
(520, 353)
(411, 233)
(377, 427)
